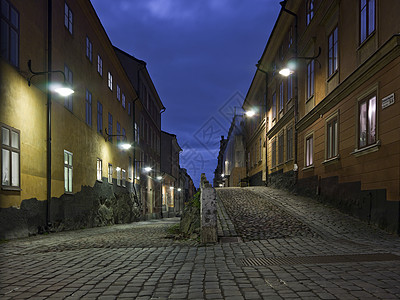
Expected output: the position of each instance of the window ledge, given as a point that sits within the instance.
(98, 180)
(289, 161)
(11, 188)
(367, 150)
(331, 160)
(311, 167)
(309, 99)
(332, 75)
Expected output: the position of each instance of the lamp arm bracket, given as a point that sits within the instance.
(40, 73)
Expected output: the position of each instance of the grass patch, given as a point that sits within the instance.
(174, 229)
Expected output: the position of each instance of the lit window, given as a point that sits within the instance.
(118, 93)
(310, 79)
(309, 10)
(274, 106)
(99, 117)
(89, 49)
(110, 126)
(67, 171)
(99, 65)
(88, 107)
(333, 52)
(110, 173)
(99, 169)
(10, 157)
(9, 33)
(280, 148)
(367, 25)
(332, 138)
(68, 17)
(123, 100)
(110, 81)
(289, 144)
(118, 169)
(68, 78)
(367, 122)
(309, 151)
(123, 178)
(281, 97)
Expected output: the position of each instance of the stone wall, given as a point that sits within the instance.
(208, 212)
(100, 205)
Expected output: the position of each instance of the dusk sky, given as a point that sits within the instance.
(201, 56)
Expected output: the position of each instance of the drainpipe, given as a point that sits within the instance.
(49, 63)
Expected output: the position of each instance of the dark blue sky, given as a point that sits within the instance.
(201, 55)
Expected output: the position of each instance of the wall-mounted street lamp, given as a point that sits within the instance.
(291, 67)
(147, 169)
(63, 90)
(125, 145)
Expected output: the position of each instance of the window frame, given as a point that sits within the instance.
(99, 169)
(123, 177)
(309, 11)
(332, 137)
(89, 49)
(109, 173)
(281, 97)
(11, 27)
(68, 101)
(273, 106)
(68, 18)
(118, 169)
(110, 127)
(367, 100)
(333, 51)
(11, 149)
(289, 143)
(281, 148)
(368, 14)
(110, 80)
(273, 153)
(310, 79)
(99, 65)
(309, 150)
(99, 117)
(69, 167)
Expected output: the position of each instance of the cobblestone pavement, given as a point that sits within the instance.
(140, 261)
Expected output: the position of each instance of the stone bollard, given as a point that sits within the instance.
(208, 212)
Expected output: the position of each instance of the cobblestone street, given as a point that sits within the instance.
(288, 247)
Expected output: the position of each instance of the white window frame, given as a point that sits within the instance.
(68, 18)
(89, 49)
(110, 80)
(332, 137)
(309, 150)
(10, 164)
(123, 177)
(68, 171)
(99, 65)
(99, 169)
(110, 173)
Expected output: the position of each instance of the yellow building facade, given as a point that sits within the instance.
(91, 175)
(333, 124)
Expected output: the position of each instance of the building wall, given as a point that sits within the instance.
(25, 110)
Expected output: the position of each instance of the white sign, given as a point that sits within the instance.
(387, 101)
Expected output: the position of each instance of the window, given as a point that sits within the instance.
(367, 19)
(289, 143)
(310, 79)
(123, 177)
(99, 169)
(118, 132)
(280, 148)
(10, 157)
(130, 168)
(273, 68)
(110, 172)
(110, 83)
(333, 52)
(118, 93)
(89, 49)
(9, 33)
(309, 151)
(88, 107)
(68, 78)
(273, 151)
(332, 138)
(289, 88)
(67, 171)
(123, 100)
(68, 17)
(309, 11)
(118, 175)
(129, 108)
(110, 127)
(367, 121)
(281, 97)
(260, 150)
(274, 106)
(290, 36)
(99, 65)
(137, 133)
(99, 117)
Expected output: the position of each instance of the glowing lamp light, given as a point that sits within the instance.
(179, 189)
(147, 169)
(286, 72)
(159, 177)
(250, 113)
(64, 91)
(171, 187)
(125, 146)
